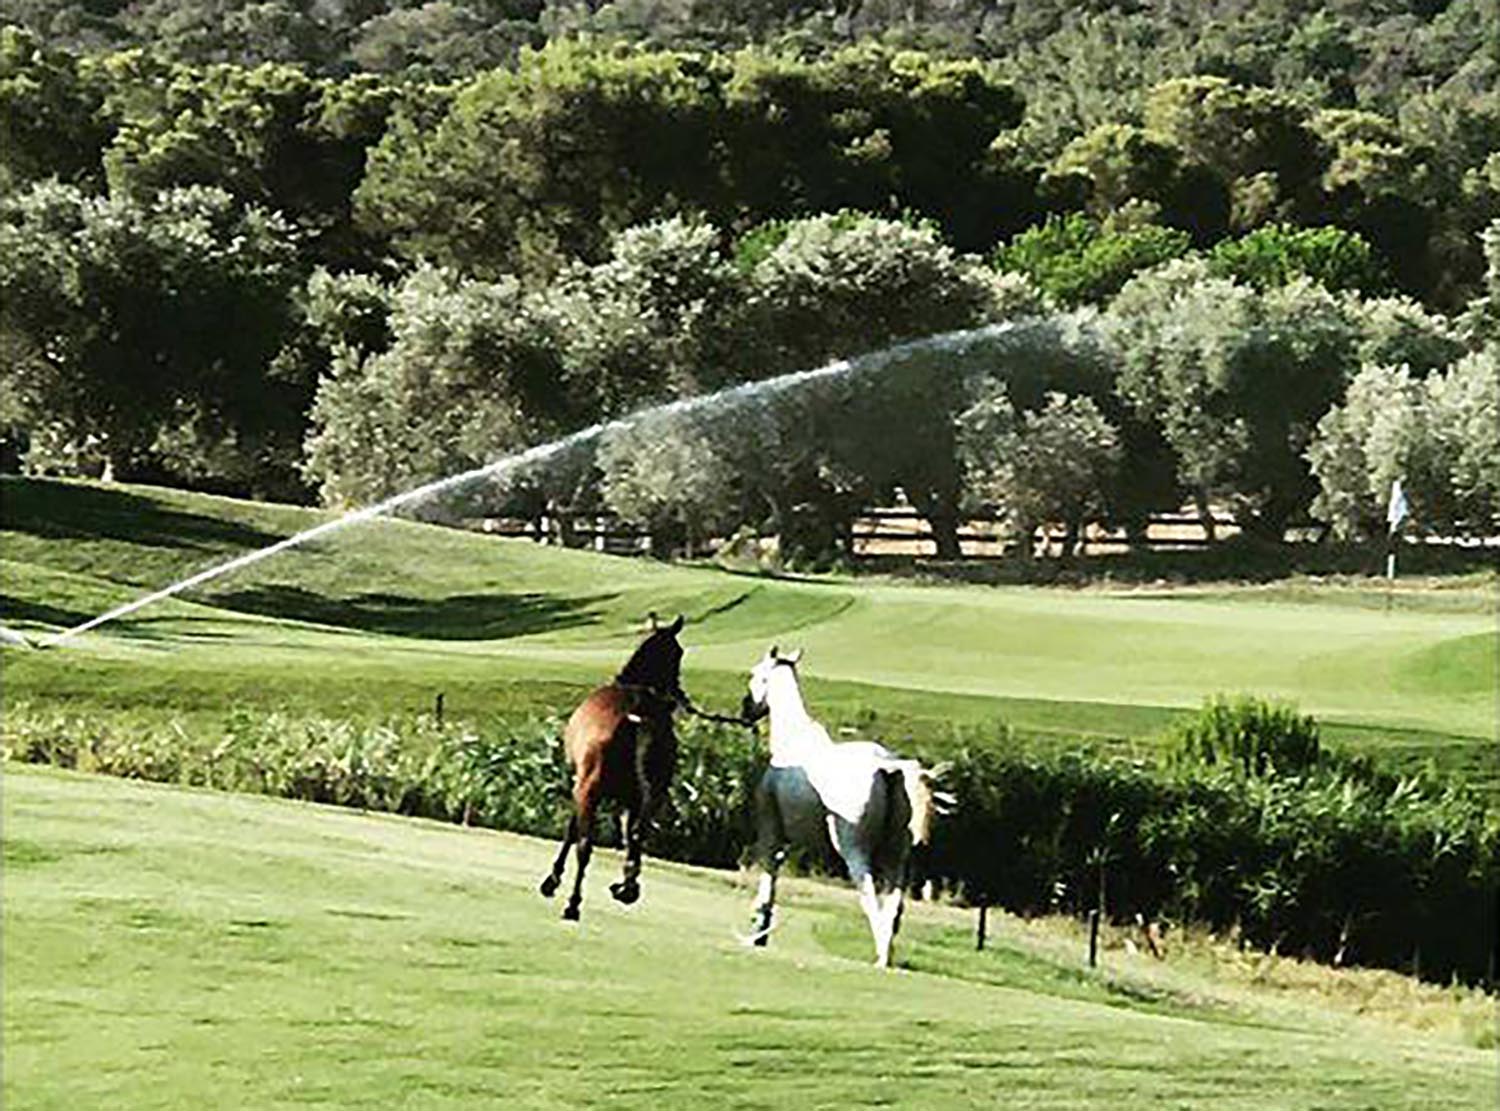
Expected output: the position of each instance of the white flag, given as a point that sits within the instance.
(1396, 512)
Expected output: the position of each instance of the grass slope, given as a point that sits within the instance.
(378, 618)
(168, 949)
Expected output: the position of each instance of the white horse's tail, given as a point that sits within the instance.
(925, 797)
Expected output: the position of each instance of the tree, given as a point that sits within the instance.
(471, 375)
(536, 166)
(1382, 185)
(441, 39)
(1466, 409)
(1436, 434)
(271, 136)
(147, 330)
(1121, 167)
(1254, 139)
(652, 321)
(1481, 321)
(49, 115)
(1052, 464)
(832, 286)
(838, 286)
(1236, 379)
(1397, 331)
(1381, 432)
(670, 474)
(205, 31)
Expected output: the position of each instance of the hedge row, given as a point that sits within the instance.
(1327, 860)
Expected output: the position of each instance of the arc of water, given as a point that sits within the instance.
(957, 340)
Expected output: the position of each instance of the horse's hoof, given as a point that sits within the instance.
(549, 886)
(570, 913)
(626, 893)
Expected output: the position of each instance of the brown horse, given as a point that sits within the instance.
(622, 749)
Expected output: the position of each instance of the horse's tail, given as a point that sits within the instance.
(924, 797)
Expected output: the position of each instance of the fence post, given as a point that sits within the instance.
(980, 931)
(437, 708)
(1094, 938)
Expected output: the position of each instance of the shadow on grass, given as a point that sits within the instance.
(456, 617)
(13, 609)
(70, 511)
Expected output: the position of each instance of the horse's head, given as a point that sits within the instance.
(756, 704)
(657, 663)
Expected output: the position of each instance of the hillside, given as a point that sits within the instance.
(169, 948)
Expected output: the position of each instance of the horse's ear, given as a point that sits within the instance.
(654, 623)
(772, 653)
(793, 657)
(676, 626)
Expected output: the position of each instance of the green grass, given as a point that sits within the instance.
(168, 948)
(378, 619)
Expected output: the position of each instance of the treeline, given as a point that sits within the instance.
(1091, 57)
(258, 280)
(1246, 824)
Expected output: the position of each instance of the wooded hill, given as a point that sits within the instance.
(242, 264)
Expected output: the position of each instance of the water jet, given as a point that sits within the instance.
(954, 344)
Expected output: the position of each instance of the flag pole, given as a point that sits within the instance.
(1396, 512)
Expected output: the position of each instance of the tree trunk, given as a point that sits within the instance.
(941, 513)
(944, 528)
(1206, 515)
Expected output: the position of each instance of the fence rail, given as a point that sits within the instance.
(885, 532)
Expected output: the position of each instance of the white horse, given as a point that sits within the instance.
(870, 803)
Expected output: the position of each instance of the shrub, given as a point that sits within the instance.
(1276, 254)
(1077, 261)
(1257, 737)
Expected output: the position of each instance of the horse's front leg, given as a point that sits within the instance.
(770, 850)
(765, 897)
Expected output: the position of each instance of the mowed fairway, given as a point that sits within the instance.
(171, 949)
(378, 618)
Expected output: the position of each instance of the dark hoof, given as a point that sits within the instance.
(570, 913)
(549, 886)
(763, 934)
(626, 893)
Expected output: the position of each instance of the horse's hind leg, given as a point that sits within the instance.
(890, 915)
(872, 904)
(585, 850)
(553, 878)
(845, 838)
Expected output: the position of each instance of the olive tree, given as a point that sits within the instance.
(1236, 379)
(1052, 464)
(671, 474)
(144, 333)
(470, 375)
(1436, 434)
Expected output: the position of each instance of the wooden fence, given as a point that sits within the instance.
(883, 533)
